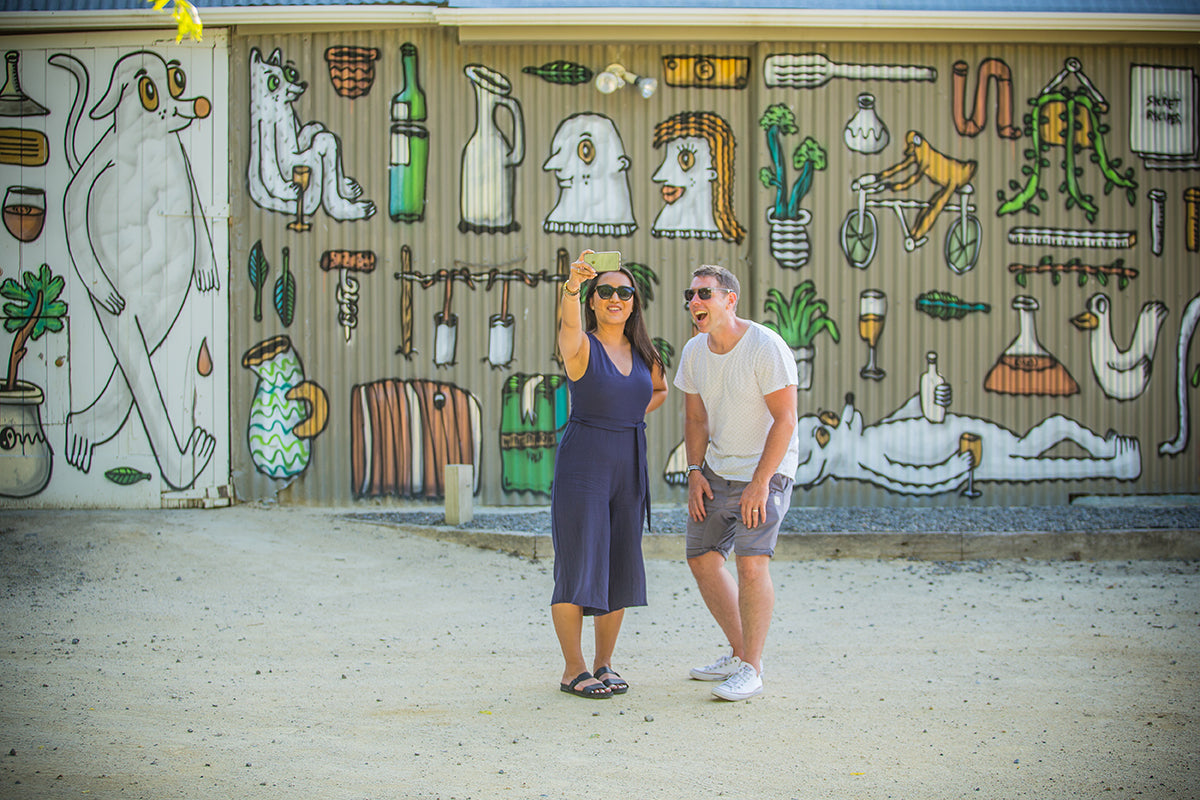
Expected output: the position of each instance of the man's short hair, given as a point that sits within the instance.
(725, 278)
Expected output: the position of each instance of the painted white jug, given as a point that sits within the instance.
(489, 161)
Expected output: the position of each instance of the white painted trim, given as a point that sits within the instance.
(275, 16)
(515, 23)
(811, 18)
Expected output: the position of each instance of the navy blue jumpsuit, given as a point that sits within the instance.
(600, 497)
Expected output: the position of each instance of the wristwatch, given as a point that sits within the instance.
(693, 468)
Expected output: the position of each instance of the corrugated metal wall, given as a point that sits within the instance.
(440, 348)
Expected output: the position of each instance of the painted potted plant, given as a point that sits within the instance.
(25, 455)
(788, 222)
(799, 321)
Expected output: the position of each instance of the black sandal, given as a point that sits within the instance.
(616, 683)
(589, 692)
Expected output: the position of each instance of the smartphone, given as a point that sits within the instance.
(607, 261)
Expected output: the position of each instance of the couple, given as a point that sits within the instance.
(739, 383)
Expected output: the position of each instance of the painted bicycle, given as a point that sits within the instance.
(860, 230)
(951, 176)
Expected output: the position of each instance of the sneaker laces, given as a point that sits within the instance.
(722, 663)
(739, 680)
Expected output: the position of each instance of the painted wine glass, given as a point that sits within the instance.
(301, 176)
(973, 444)
(872, 310)
(24, 212)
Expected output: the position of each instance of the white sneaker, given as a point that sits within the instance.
(719, 670)
(742, 685)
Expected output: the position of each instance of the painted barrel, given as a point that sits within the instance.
(405, 432)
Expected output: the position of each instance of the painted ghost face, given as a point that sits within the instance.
(687, 176)
(590, 165)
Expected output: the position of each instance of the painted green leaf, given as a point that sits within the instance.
(563, 72)
(285, 293)
(664, 349)
(258, 268)
(943, 305)
(126, 476)
(44, 284)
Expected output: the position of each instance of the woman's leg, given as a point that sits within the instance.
(608, 627)
(568, 626)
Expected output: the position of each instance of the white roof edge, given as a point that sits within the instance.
(820, 18)
(217, 17)
(480, 20)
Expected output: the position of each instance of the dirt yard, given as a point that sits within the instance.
(286, 653)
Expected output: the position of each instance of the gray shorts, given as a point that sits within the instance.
(722, 529)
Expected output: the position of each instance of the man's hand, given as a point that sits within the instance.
(754, 503)
(698, 490)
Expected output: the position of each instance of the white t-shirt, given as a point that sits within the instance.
(732, 386)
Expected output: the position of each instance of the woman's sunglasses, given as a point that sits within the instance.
(607, 290)
(704, 292)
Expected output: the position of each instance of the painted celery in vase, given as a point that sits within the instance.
(788, 221)
(33, 310)
(799, 320)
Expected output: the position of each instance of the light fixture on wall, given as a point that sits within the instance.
(615, 76)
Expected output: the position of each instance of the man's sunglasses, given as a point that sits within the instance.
(607, 290)
(705, 292)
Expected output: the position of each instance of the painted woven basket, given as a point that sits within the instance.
(352, 69)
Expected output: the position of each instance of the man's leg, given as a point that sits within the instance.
(720, 593)
(756, 603)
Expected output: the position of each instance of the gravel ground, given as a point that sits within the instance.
(283, 653)
(988, 519)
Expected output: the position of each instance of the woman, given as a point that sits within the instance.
(600, 496)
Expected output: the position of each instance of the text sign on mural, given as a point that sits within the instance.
(1162, 120)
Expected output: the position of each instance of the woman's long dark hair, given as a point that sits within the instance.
(635, 326)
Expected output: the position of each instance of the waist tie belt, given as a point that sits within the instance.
(639, 451)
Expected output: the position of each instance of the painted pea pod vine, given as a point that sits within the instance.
(1071, 131)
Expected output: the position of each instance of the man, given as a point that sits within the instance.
(739, 383)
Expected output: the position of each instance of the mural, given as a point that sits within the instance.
(1191, 316)
(489, 160)
(406, 432)
(294, 168)
(137, 294)
(592, 170)
(566, 73)
(814, 70)
(1072, 120)
(865, 132)
(907, 453)
(946, 306)
(1164, 118)
(1122, 374)
(706, 71)
(34, 309)
(990, 70)
(352, 69)
(788, 221)
(120, 193)
(287, 411)
(482, 324)
(799, 319)
(465, 335)
(409, 158)
(346, 262)
(696, 174)
(1025, 367)
(533, 414)
(860, 232)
